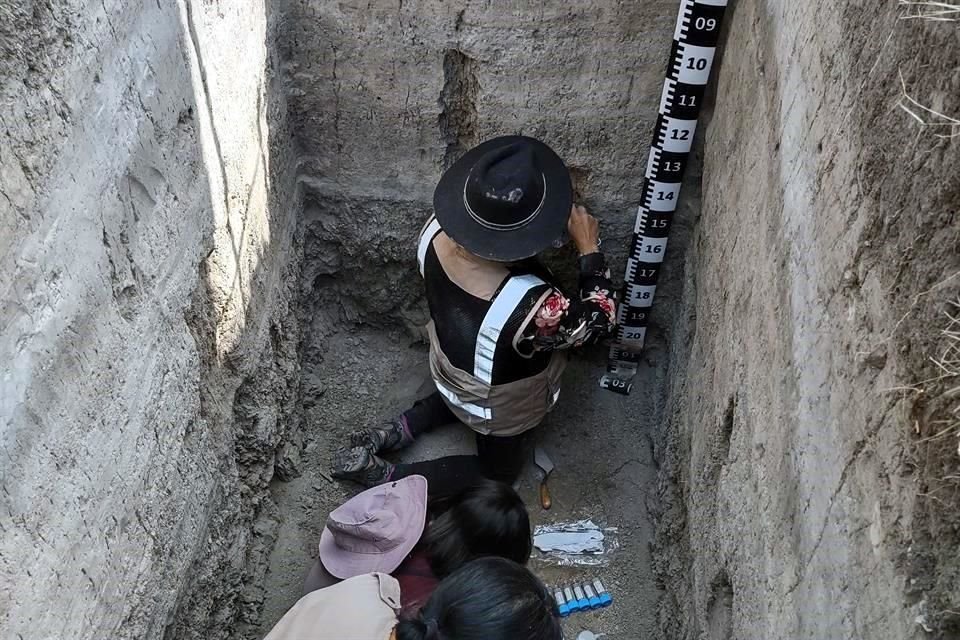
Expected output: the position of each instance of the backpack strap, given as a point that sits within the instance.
(511, 294)
(427, 234)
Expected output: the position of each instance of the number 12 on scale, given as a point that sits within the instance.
(677, 134)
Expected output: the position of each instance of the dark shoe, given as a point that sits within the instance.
(359, 465)
(390, 437)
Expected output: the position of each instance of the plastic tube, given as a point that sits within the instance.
(582, 602)
(561, 602)
(605, 598)
(591, 595)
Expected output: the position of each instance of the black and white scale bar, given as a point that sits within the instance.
(688, 71)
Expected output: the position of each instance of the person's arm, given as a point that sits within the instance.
(563, 322)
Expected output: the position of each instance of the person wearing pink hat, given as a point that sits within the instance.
(376, 529)
(383, 529)
(489, 598)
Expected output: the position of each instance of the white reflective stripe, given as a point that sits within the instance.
(426, 237)
(556, 396)
(497, 315)
(472, 409)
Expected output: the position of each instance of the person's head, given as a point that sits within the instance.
(506, 199)
(487, 599)
(487, 519)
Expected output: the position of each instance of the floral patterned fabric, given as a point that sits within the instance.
(562, 322)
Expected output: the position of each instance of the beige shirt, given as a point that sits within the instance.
(361, 608)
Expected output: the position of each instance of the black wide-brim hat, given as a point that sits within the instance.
(506, 199)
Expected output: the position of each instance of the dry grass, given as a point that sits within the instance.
(927, 117)
(935, 11)
(937, 457)
(913, 306)
(947, 362)
(945, 385)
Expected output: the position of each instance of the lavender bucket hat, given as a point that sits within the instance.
(375, 530)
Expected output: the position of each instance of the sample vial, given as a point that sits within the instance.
(605, 598)
(591, 595)
(561, 602)
(582, 602)
(572, 605)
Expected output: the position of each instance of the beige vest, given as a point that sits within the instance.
(502, 410)
(361, 608)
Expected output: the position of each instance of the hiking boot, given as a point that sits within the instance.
(359, 465)
(392, 436)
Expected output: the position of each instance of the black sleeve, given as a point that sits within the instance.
(561, 322)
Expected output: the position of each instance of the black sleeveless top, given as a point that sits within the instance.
(459, 318)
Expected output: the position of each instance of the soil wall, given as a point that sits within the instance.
(147, 224)
(185, 184)
(809, 479)
(384, 95)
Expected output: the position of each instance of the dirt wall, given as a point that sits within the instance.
(809, 479)
(165, 166)
(146, 226)
(384, 95)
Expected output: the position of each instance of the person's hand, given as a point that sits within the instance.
(584, 230)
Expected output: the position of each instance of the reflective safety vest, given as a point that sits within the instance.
(490, 379)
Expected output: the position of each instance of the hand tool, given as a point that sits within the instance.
(546, 465)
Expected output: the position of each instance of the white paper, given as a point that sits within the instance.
(569, 537)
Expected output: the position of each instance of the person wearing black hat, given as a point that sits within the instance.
(499, 325)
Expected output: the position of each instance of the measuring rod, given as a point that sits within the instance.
(691, 58)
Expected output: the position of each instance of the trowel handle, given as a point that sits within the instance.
(545, 500)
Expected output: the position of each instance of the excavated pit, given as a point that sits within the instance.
(370, 157)
(207, 279)
(364, 360)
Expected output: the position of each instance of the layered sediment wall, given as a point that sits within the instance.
(195, 194)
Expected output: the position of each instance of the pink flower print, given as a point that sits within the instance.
(550, 313)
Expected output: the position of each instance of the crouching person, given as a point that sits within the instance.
(490, 598)
(500, 326)
(394, 528)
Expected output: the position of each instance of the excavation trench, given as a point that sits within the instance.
(208, 215)
(364, 360)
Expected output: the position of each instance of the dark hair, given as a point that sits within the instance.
(487, 599)
(486, 519)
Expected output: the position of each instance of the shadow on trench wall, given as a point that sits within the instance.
(243, 315)
(153, 215)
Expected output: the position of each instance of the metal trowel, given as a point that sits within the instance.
(546, 465)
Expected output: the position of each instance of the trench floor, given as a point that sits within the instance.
(600, 443)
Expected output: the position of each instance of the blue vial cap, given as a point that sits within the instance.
(605, 599)
(573, 606)
(564, 610)
(596, 601)
(583, 603)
